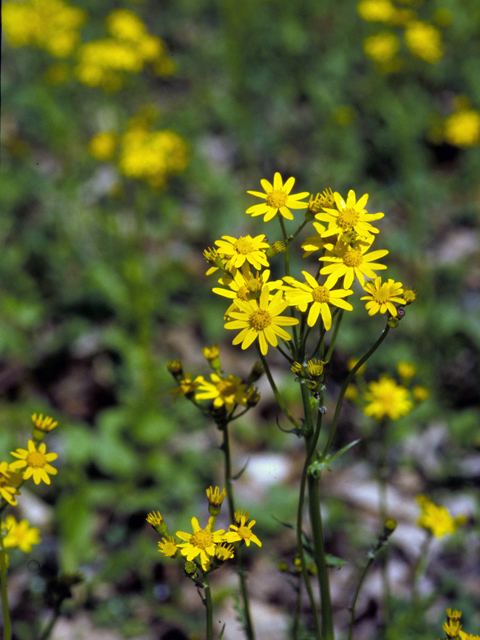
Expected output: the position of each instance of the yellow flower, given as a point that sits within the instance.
(406, 370)
(436, 519)
(103, 145)
(424, 41)
(211, 353)
(224, 551)
(387, 399)
(242, 533)
(261, 320)
(245, 249)
(157, 522)
(453, 614)
(349, 216)
(467, 636)
(168, 547)
(278, 199)
(227, 391)
(381, 47)
(36, 462)
(20, 534)
(349, 261)
(215, 499)
(382, 296)
(315, 368)
(44, 424)
(187, 386)
(8, 490)
(420, 393)
(376, 10)
(201, 542)
(321, 296)
(452, 628)
(324, 199)
(462, 128)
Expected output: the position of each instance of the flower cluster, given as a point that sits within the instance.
(141, 152)
(103, 63)
(385, 397)
(222, 394)
(453, 628)
(52, 25)
(206, 547)
(462, 127)
(421, 38)
(344, 236)
(55, 26)
(32, 462)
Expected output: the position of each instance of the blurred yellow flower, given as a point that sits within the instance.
(424, 41)
(376, 10)
(462, 128)
(436, 519)
(48, 24)
(20, 534)
(278, 199)
(226, 392)
(8, 489)
(406, 370)
(130, 47)
(420, 393)
(381, 47)
(103, 145)
(152, 155)
(386, 398)
(168, 547)
(187, 385)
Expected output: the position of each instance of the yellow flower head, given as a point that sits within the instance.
(168, 547)
(261, 319)
(462, 128)
(244, 285)
(43, 424)
(350, 261)
(20, 534)
(453, 614)
(319, 296)
(452, 628)
(226, 392)
(315, 368)
(36, 462)
(420, 393)
(201, 542)
(242, 533)
(436, 519)
(349, 216)
(237, 252)
(157, 522)
(103, 146)
(211, 353)
(321, 200)
(241, 513)
(215, 499)
(224, 551)
(424, 41)
(382, 295)
(278, 199)
(386, 398)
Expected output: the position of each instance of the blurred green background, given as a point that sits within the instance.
(102, 272)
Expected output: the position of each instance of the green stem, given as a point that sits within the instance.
(347, 381)
(320, 558)
(208, 606)
(238, 551)
(7, 625)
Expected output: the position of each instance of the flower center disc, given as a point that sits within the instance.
(202, 539)
(353, 258)
(260, 320)
(276, 199)
(225, 388)
(347, 218)
(321, 294)
(36, 459)
(243, 293)
(382, 295)
(243, 246)
(244, 532)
